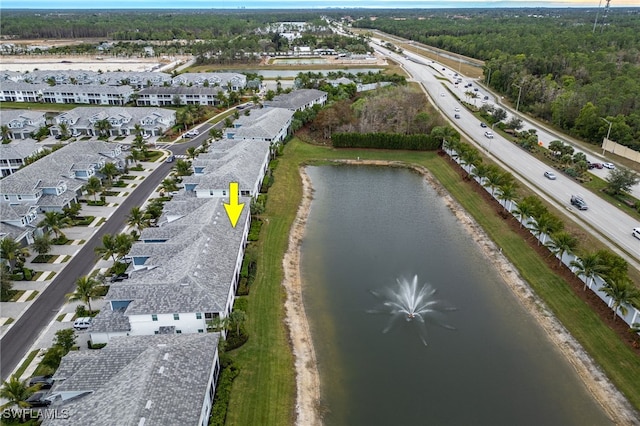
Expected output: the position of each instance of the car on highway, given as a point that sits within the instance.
(489, 134)
(596, 166)
(636, 233)
(456, 109)
(578, 201)
(550, 175)
(609, 166)
(483, 125)
(457, 116)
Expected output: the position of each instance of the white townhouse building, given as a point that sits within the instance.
(21, 123)
(243, 161)
(55, 181)
(14, 155)
(298, 100)
(185, 95)
(136, 79)
(123, 120)
(227, 80)
(184, 273)
(21, 92)
(270, 124)
(87, 94)
(138, 380)
(19, 222)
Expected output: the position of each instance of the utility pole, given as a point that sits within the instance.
(608, 132)
(519, 93)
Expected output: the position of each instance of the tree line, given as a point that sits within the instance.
(565, 70)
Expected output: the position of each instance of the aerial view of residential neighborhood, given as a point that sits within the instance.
(167, 258)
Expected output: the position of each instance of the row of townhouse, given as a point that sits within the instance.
(160, 365)
(83, 121)
(51, 184)
(135, 79)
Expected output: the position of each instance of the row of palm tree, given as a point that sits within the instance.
(533, 214)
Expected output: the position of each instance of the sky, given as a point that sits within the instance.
(297, 4)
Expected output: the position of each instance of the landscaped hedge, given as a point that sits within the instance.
(418, 142)
(223, 391)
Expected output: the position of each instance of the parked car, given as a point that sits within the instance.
(550, 175)
(636, 233)
(45, 382)
(146, 136)
(578, 201)
(610, 166)
(489, 134)
(38, 399)
(82, 323)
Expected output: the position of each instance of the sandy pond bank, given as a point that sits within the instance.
(307, 375)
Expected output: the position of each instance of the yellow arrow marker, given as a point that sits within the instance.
(234, 209)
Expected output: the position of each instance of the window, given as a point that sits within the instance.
(178, 331)
(198, 315)
(176, 317)
(200, 330)
(154, 317)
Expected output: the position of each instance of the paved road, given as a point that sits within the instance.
(24, 333)
(611, 224)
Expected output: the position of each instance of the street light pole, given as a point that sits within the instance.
(519, 93)
(608, 132)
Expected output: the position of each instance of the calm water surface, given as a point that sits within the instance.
(369, 226)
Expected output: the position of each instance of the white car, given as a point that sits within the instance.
(636, 233)
(489, 134)
(608, 166)
(146, 136)
(456, 109)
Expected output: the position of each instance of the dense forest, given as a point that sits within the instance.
(566, 70)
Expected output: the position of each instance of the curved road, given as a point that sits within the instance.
(24, 332)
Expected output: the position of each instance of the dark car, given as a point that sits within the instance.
(597, 165)
(483, 125)
(577, 201)
(38, 399)
(45, 382)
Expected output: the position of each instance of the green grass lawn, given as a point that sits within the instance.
(264, 392)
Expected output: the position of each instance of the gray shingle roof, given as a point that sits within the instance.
(296, 99)
(167, 373)
(19, 149)
(262, 123)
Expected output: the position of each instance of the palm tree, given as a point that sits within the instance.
(589, 265)
(169, 185)
(103, 127)
(192, 152)
(183, 168)
(136, 155)
(11, 251)
(15, 391)
(524, 209)
(54, 222)
(495, 177)
(123, 243)
(136, 219)
(93, 186)
(623, 292)
(561, 243)
(42, 244)
(236, 319)
(64, 129)
(109, 247)
(215, 133)
(508, 192)
(545, 225)
(86, 288)
(5, 132)
(109, 170)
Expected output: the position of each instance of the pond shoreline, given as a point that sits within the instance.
(308, 392)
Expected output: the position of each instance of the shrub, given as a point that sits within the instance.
(95, 345)
(81, 311)
(28, 274)
(254, 230)
(223, 391)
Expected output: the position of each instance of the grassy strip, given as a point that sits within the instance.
(265, 389)
(20, 371)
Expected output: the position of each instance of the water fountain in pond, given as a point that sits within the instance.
(413, 303)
